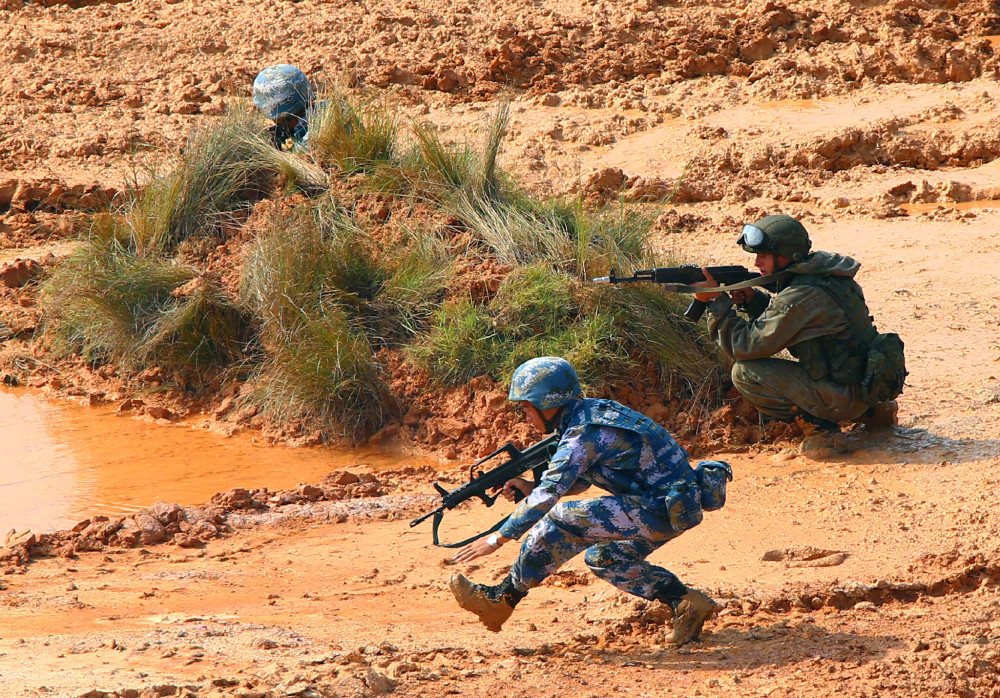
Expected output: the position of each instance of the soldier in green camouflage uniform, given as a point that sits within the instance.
(817, 312)
(654, 495)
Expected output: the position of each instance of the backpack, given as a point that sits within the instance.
(712, 478)
(885, 369)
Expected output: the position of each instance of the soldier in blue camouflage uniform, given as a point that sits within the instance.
(654, 497)
(284, 95)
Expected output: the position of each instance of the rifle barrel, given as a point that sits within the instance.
(426, 516)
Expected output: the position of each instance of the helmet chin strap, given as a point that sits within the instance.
(551, 422)
(778, 268)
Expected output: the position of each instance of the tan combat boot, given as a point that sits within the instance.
(690, 614)
(881, 416)
(493, 604)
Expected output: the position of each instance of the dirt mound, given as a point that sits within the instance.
(186, 527)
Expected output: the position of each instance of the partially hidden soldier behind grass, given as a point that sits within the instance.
(655, 496)
(845, 371)
(284, 95)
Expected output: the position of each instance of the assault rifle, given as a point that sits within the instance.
(534, 458)
(679, 280)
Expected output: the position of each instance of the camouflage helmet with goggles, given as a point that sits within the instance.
(781, 235)
(546, 382)
(282, 89)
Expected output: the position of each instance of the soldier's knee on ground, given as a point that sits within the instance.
(599, 558)
(741, 376)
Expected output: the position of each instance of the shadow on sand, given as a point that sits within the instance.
(733, 649)
(912, 445)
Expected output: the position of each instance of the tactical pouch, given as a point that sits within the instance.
(885, 370)
(712, 478)
(683, 504)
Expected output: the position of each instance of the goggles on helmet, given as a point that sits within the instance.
(754, 237)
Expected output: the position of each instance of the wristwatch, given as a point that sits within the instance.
(494, 540)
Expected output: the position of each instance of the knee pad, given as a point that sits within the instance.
(599, 558)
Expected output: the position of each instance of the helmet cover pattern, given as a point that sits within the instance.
(282, 89)
(546, 382)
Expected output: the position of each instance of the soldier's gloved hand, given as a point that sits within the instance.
(742, 296)
(518, 483)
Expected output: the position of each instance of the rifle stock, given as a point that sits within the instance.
(535, 457)
(684, 275)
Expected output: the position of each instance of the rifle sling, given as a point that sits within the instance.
(437, 522)
(749, 283)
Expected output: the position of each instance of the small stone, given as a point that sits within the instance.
(24, 538)
(19, 272)
(448, 81)
(379, 683)
(341, 477)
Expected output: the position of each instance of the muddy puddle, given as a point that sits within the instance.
(62, 463)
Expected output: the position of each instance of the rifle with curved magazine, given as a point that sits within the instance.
(679, 280)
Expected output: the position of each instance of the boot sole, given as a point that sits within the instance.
(492, 614)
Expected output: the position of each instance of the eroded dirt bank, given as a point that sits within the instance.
(867, 574)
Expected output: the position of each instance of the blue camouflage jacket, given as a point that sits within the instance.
(620, 450)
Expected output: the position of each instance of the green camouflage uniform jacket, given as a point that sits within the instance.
(819, 315)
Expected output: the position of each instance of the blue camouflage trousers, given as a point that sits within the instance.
(618, 534)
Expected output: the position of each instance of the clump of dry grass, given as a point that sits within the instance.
(123, 295)
(354, 137)
(327, 294)
(112, 304)
(222, 170)
(540, 311)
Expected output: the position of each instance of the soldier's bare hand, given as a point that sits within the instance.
(519, 484)
(478, 548)
(709, 282)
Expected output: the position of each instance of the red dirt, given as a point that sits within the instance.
(866, 574)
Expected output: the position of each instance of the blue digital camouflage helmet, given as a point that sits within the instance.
(546, 382)
(282, 89)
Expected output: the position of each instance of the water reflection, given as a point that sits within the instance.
(62, 463)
